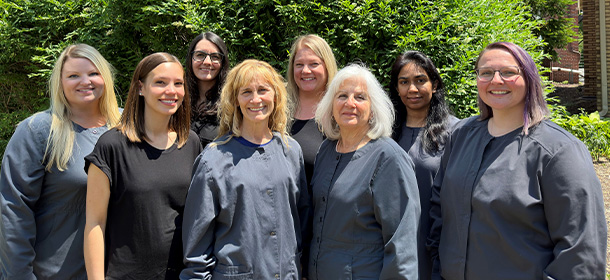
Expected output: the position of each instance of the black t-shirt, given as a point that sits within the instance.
(148, 189)
(310, 138)
(206, 127)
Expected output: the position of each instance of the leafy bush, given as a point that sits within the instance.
(374, 32)
(557, 30)
(452, 32)
(589, 128)
(18, 101)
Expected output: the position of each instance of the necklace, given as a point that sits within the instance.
(352, 148)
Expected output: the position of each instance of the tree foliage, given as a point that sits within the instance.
(555, 28)
(451, 32)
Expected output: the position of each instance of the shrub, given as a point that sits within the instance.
(589, 128)
(452, 32)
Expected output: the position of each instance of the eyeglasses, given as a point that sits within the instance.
(508, 73)
(201, 56)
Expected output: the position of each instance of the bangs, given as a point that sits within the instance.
(250, 73)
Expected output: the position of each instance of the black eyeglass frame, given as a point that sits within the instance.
(222, 56)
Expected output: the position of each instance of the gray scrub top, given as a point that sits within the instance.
(426, 166)
(517, 207)
(43, 213)
(246, 211)
(366, 213)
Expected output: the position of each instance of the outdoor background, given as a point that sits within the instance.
(451, 32)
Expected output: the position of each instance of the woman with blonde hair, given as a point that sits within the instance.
(247, 206)
(138, 176)
(311, 68)
(365, 198)
(43, 184)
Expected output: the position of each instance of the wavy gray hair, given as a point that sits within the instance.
(382, 111)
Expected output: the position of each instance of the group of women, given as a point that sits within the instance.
(209, 173)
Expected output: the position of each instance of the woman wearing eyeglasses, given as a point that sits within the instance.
(516, 196)
(207, 64)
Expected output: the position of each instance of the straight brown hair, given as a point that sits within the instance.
(132, 120)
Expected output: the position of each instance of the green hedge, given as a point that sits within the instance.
(452, 32)
(590, 128)
(374, 32)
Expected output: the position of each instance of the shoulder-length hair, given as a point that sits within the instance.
(231, 117)
(536, 109)
(132, 120)
(210, 106)
(60, 141)
(322, 50)
(436, 130)
(382, 113)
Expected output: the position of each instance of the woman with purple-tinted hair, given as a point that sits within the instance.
(516, 196)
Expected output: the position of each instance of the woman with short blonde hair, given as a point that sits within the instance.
(246, 213)
(231, 117)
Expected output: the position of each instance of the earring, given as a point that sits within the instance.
(371, 120)
(140, 93)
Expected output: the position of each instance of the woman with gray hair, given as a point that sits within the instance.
(365, 197)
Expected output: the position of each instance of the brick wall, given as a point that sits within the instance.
(591, 55)
(591, 52)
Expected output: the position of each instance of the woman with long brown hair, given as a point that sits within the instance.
(138, 176)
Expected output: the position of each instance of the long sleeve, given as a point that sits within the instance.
(517, 207)
(397, 210)
(436, 220)
(21, 184)
(200, 211)
(574, 209)
(243, 211)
